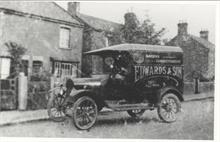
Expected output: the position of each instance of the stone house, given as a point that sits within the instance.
(199, 53)
(98, 33)
(53, 38)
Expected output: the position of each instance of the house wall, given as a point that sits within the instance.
(93, 65)
(211, 69)
(41, 37)
(86, 60)
(98, 41)
(196, 57)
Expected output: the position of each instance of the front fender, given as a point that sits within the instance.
(75, 94)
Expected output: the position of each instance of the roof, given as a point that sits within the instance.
(44, 9)
(203, 42)
(207, 44)
(99, 24)
(135, 47)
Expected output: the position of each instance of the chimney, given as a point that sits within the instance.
(73, 7)
(182, 28)
(204, 34)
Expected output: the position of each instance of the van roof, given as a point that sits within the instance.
(135, 47)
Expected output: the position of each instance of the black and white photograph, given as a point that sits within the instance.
(122, 70)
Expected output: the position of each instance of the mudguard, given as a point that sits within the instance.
(167, 89)
(75, 94)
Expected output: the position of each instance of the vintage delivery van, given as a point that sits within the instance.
(139, 77)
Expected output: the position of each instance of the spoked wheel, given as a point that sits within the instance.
(56, 109)
(84, 113)
(169, 108)
(136, 113)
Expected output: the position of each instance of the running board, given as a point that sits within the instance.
(125, 107)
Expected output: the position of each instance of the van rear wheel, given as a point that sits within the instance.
(169, 108)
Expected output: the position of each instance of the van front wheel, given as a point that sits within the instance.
(85, 112)
(56, 109)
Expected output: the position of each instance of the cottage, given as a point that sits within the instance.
(98, 33)
(53, 38)
(199, 53)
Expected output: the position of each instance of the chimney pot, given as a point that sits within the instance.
(204, 34)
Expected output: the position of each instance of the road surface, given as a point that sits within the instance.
(196, 122)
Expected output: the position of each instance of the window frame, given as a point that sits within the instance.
(60, 64)
(39, 66)
(69, 29)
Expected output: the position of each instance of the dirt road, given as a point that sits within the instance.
(195, 122)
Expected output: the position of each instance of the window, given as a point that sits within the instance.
(4, 67)
(65, 37)
(63, 69)
(37, 66)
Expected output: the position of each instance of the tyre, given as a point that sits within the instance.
(85, 113)
(169, 108)
(136, 113)
(55, 108)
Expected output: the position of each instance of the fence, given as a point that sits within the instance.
(9, 94)
(38, 91)
(38, 87)
(19, 93)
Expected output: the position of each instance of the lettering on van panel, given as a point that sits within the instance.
(168, 61)
(143, 71)
(163, 61)
(152, 56)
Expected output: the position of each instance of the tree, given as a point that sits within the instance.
(16, 51)
(144, 32)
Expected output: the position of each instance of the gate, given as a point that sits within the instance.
(9, 94)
